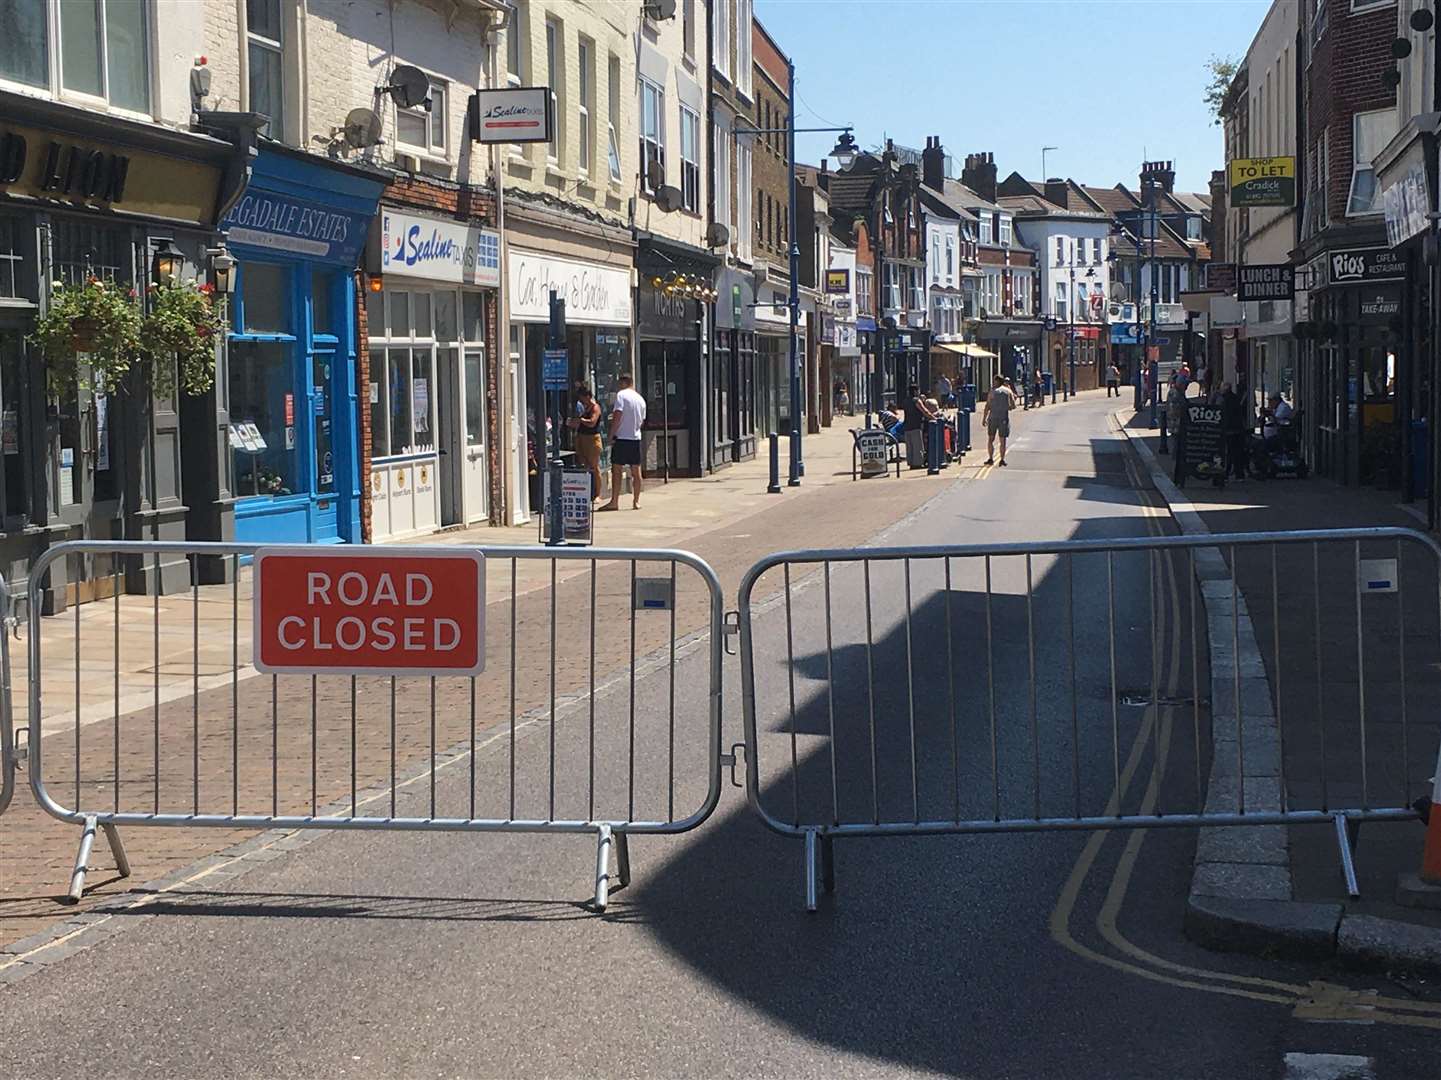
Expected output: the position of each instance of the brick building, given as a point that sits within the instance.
(1355, 386)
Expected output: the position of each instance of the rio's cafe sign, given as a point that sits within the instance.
(438, 250)
(593, 294)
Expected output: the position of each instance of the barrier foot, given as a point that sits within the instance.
(622, 859)
(82, 861)
(602, 868)
(812, 900)
(117, 849)
(1347, 832)
(828, 863)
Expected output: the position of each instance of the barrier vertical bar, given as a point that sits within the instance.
(432, 746)
(950, 696)
(791, 692)
(911, 699)
(991, 696)
(670, 747)
(1401, 665)
(630, 758)
(1193, 588)
(155, 678)
(1115, 693)
(1276, 666)
(314, 746)
(235, 684)
(871, 696)
(831, 699)
(1075, 702)
(513, 635)
(194, 681)
(1320, 672)
(354, 753)
(1035, 713)
(392, 746)
(551, 802)
(1361, 681)
(590, 779)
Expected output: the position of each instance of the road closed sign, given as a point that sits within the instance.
(352, 611)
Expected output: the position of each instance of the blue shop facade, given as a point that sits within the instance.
(297, 234)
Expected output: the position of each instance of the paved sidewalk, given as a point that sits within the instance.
(184, 672)
(1319, 711)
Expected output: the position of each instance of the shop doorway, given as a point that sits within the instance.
(451, 442)
(519, 439)
(475, 484)
(322, 367)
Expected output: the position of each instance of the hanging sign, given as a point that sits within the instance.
(838, 281)
(519, 114)
(1265, 281)
(1269, 181)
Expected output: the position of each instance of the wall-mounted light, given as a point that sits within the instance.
(222, 271)
(167, 262)
(376, 283)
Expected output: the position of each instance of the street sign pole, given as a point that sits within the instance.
(553, 395)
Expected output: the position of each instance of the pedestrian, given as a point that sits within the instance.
(943, 391)
(1174, 413)
(1038, 388)
(1233, 431)
(1113, 379)
(843, 398)
(585, 428)
(997, 418)
(626, 418)
(918, 414)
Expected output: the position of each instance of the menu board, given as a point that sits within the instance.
(1202, 435)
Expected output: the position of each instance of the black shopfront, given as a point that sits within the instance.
(89, 197)
(732, 377)
(672, 312)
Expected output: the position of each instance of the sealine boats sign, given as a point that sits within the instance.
(518, 115)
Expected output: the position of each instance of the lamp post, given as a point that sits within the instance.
(845, 154)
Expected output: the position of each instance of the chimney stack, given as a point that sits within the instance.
(933, 164)
(979, 174)
(1160, 173)
(1057, 191)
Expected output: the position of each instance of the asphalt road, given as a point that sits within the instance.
(1017, 955)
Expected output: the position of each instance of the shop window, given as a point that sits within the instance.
(474, 397)
(446, 328)
(24, 47)
(745, 385)
(397, 314)
(83, 248)
(263, 412)
(420, 311)
(324, 443)
(322, 285)
(10, 256)
(422, 400)
(472, 317)
(265, 52)
(264, 296)
(14, 493)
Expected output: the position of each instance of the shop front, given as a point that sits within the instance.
(298, 233)
(732, 424)
(87, 198)
(598, 344)
(772, 402)
(428, 396)
(672, 327)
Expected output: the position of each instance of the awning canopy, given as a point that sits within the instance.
(973, 351)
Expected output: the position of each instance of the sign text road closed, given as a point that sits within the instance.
(395, 611)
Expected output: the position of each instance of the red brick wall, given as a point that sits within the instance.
(1345, 79)
(463, 203)
(866, 257)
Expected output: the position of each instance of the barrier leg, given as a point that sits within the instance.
(1346, 834)
(622, 859)
(82, 861)
(828, 863)
(117, 848)
(602, 868)
(812, 900)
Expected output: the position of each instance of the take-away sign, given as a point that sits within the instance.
(353, 611)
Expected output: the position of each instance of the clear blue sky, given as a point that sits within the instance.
(1001, 75)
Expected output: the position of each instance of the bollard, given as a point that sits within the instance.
(1431, 853)
(775, 485)
(933, 448)
(963, 435)
(554, 509)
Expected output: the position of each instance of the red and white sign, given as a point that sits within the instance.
(519, 114)
(355, 611)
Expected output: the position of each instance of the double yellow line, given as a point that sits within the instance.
(1316, 1000)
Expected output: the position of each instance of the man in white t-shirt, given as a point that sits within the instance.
(626, 419)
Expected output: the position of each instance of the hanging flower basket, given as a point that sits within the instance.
(93, 326)
(182, 323)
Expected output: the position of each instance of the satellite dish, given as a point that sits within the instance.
(409, 87)
(669, 198)
(362, 128)
(660, 10)
(717, 235)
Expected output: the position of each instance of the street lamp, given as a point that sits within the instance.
(845, 154)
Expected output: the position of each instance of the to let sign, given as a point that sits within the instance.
(398, 611)
(1268, 181)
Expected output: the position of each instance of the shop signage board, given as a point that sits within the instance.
(1221, 277)
(392, 611)
(1380, 303)
(555, 369)
(1265, 281)
(1203, 435)
(1405, 204)
(283, 223)
(594, 295)
(577, 503)
(520, 114)
(1358, 266)
(873, 447)
(1268, 181)
(422, 247)
(838, 281)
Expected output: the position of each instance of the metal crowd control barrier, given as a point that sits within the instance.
(8, 749)
(551, 738)
(1026, 686)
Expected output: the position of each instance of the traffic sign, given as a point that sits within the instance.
(392, 611)
(555, 369)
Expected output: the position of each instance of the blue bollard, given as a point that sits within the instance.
(933, 448)
(775, 485)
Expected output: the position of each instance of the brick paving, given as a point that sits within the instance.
(254, 744)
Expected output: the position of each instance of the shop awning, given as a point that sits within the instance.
(973, 351)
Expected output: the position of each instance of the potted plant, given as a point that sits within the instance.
(96, 320)
(182, 320)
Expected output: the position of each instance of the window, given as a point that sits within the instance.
(721, 159)
(1317, 214)
(402, 375)
(1318, 21)
(918, 289)
(863, 289)
(421, 128)
(1372, 131)
(652, 136)
(612, 149)
(555, 75)
(585, 89)
(893, 287)
(100, 44)
(690, 159)
(721, 31)
(1005, 227)
(1193, 228)
(745, 207)
(950, 259)
(514, 74)
(985, 228)
(744, 63)
(1060, 251)
(265, 52)
(687, 23)
(1061, 305)
(24, 52)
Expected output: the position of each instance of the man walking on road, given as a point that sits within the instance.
(997, 418)
(1113, 379)
(626, 418)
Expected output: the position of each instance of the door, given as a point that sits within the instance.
(450, 444)
(474, 465)
(325, 520)
(519, 456)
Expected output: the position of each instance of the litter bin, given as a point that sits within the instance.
(1046, 382)
(968, 398)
